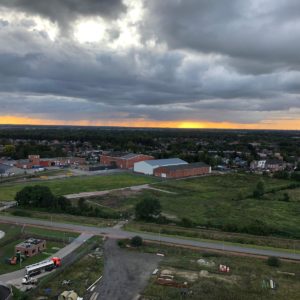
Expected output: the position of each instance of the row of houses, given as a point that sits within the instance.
(271, 165)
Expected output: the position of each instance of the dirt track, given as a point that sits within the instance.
(126, 273)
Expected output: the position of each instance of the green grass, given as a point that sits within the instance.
(221, 201)
(63, 218)
(242, 240)
(74, 185)
(246, 274)
(13, 236)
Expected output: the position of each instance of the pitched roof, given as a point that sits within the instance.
(165, 162)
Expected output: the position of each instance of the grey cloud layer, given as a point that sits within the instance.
(232, 61)
(64, 12)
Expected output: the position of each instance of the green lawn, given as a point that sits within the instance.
(60, 217)
(74, 185)
(244, 282)
(222, 201)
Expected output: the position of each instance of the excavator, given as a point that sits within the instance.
(16, 259)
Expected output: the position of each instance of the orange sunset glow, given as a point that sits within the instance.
(278, 124)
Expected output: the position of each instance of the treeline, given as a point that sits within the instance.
(22, 150)
(163, 141)
(41, 197)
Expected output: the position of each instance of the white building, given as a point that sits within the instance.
(148, 166)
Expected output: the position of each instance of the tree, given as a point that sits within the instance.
(273, 261)
(36, 196)
(259, 190)
(9, 150)
(147, 209)
(136, 241)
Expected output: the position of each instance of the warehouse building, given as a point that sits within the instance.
(148, 167)
(123, 160)
(179, 171)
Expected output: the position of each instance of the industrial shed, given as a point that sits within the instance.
(180, 171)
(122, 160)
(148, 167)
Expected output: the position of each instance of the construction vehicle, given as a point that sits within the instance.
(29, 280)
(19, 257)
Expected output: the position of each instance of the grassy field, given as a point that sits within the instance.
(223, 201)
(64, 218)
(15, 234)
(244, 282)
(74, 185)
(290, 245)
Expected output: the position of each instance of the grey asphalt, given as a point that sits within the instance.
(119, 233)
(15, 278)
(126, 273)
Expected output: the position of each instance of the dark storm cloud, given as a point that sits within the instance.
(260, 32)
(235, 61)
(64, 12)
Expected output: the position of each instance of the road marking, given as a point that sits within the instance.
(94, 296)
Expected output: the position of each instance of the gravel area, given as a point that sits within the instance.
(126, 273)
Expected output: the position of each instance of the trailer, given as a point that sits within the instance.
(43, 266)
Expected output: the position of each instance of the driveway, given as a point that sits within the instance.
(126, 273)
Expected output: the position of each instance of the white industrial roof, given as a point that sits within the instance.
(165, 162)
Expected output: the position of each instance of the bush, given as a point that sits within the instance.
(148, 209)
(185, 222)
(136, 241)
(273, 261)
(122, 243)
(22, 213)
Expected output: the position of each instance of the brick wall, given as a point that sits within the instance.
(179, 173)
(122, 163)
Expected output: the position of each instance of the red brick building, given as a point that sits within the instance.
(122, 160)
(180, 171)
(36, 161)
(31, 247)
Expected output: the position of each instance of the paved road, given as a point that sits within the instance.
(15, 278)
(126, 273)
(119, 233)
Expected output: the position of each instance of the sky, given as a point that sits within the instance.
(170, 63)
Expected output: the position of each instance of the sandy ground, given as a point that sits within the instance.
(126, 273)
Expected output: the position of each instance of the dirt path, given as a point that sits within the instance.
(126, 273)
(136, 188)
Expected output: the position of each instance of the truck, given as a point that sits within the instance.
(43, 266)
(29, 280)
